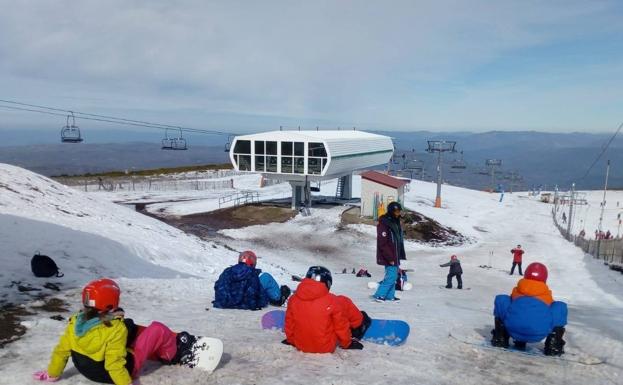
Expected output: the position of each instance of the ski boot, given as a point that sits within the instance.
(500, 335)
(554, 344)
(285, 294)
(358, 333)
(185, 352)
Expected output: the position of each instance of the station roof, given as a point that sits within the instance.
(384, 179)
(310, 135)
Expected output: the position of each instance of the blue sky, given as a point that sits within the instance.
(247, 66)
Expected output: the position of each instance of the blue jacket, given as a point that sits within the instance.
(238, 287)
(529, 319)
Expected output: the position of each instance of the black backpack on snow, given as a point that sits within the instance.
(44, 266)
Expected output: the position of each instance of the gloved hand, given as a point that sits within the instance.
(43, 375)
(286, 342)
(354, 344)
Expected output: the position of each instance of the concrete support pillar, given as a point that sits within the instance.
(347, 187)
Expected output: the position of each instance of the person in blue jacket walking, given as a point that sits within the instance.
(243, 286)
(390, 250)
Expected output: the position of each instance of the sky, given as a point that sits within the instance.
(243, 66)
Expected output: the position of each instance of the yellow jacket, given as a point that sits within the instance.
(100, 343)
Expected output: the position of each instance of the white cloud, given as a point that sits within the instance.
(350, 61)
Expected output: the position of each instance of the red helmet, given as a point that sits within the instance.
(101, 294)
(536, 271)
(248, 257)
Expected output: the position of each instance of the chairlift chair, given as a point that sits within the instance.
(167, 143)
(70, 133)
(174, 143)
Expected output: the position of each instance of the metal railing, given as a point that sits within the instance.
(217, 180)
(240, 198)
(608, 250)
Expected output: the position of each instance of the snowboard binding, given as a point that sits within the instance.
(554, 344)
(500, 335)
(185, 354)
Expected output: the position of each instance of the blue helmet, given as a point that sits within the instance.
(320, 274)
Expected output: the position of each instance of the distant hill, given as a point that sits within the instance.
(541, 158)
(57, 159)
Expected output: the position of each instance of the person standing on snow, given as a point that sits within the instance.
(390, 250)
(517, 256)
(530, 314)
(317, 320)
(242, 286)
(108, 348)
(455, 270)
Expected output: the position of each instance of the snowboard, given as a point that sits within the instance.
(570, 355)
(405, 287)
(383, 332)
(452, 288)
(206, 354)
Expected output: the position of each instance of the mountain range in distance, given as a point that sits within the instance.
(528, 158)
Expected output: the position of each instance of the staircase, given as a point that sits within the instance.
(339, 192)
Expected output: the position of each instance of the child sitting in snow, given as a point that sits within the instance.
(455, 270)
(317, 321)
(105, 347)
(530, 314)
(242, 286)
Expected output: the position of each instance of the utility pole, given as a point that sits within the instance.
(440, 146)
(493, 163)
(570, 219)
(603, 202)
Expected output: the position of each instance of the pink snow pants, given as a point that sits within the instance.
(155, 342)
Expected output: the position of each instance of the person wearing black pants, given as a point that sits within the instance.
(518, 264)
(455, 271)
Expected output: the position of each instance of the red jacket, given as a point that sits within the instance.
(352, 313)
(517, 253)
(315, 321)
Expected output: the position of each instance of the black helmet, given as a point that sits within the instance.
(320, 274)
(393, 206)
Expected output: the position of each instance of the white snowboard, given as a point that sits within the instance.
(374, 285)
(207, 354)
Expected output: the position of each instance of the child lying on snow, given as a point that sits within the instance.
(105, 347)
(317, 321)
(530, 314)
(243, 286)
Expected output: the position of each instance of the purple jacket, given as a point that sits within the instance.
(389, 244)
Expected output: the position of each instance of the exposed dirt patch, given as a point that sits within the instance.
(205, 225)
(53, 305)
(417, 227)
(352, 216)
(10, 327)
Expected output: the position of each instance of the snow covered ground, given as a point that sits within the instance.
(168, 276)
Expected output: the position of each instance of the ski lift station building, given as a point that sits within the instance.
(301, 157)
